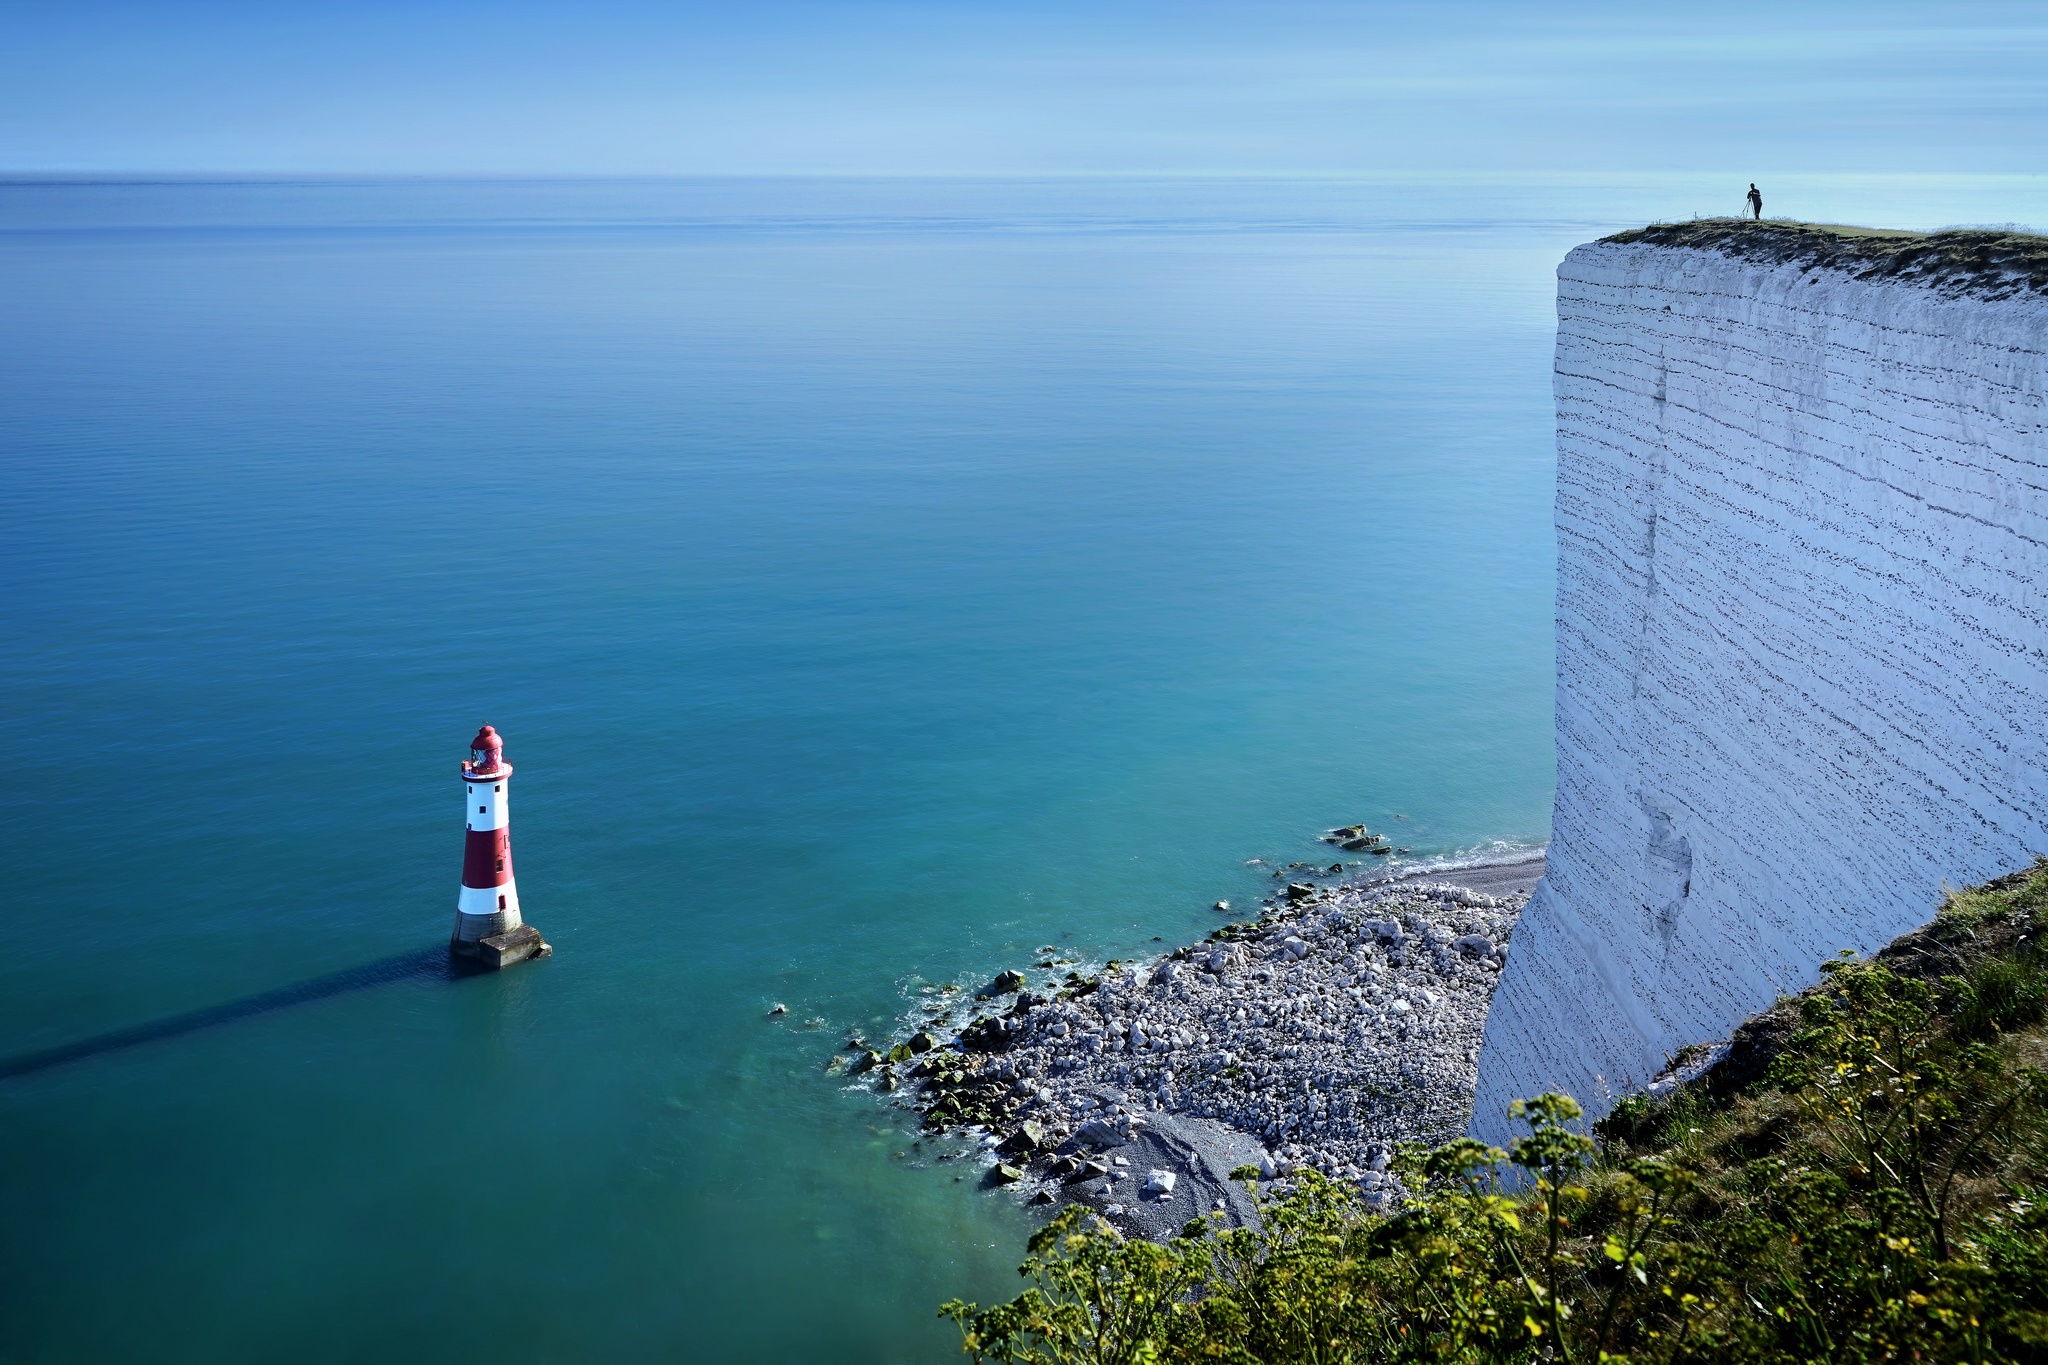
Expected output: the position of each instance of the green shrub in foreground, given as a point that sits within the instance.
(1877, 1200)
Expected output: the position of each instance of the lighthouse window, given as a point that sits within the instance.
(501, 864)
(500, 787)
(501, 902)
(479, 810)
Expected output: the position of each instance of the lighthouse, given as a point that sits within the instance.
(487, 923)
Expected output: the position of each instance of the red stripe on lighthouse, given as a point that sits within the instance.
(487, 857)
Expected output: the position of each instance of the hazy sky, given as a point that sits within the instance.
(999, 88)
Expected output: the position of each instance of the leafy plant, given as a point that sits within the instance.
(1999, 996)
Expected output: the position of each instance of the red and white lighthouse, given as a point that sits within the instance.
(487, 922)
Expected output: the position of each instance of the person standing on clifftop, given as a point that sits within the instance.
(1756, 202)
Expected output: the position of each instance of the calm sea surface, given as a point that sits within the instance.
(874, 581)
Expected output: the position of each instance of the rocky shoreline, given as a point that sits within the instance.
(1343, 1020)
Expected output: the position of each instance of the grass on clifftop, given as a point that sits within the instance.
(1860, 1180)
(1993, 261)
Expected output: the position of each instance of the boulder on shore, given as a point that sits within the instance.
(1028, 1138)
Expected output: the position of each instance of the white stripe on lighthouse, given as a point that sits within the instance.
(483, 900)
(487, 805)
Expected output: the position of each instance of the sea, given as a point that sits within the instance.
(876, 582)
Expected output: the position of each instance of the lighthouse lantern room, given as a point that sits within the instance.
(487, 922)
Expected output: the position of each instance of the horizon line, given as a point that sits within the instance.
(120, 176)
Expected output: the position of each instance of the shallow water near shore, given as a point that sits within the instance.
(873, 582)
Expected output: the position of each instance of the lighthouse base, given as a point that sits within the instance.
(495, 952)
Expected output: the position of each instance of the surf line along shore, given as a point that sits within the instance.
(1343, 1020)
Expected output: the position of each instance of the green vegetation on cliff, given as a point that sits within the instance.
(1860, 1179)
(1991, 261)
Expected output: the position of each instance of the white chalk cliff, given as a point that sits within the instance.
(1802, 618)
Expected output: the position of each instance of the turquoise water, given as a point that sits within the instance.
(873, 582)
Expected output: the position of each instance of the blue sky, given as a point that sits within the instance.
(765, 86)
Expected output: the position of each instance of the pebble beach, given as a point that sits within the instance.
(1343, 1020)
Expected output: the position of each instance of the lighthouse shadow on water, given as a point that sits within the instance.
(489, 933)
(428, 964)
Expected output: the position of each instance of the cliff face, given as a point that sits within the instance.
(1802, 680)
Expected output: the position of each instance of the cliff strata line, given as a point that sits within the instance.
(1802, 615)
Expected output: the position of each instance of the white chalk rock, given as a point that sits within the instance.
(1100, 1133)
(1801, 536)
